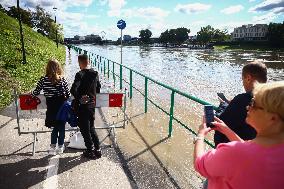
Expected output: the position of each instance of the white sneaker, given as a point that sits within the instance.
(52, 150)
(60, 149)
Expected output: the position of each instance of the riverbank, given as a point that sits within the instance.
(13, 73)
(255, 47)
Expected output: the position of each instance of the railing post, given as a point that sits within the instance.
(101, 67)
(95, 62)
(146, 94)
(171, 114)
(130, 85)
(104, 67)
(107, 68)
(98, 66)
(120, 78)
(113, 74)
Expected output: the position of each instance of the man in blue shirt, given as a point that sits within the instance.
(235, 114)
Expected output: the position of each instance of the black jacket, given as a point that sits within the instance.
(235, 117)
(86, 83)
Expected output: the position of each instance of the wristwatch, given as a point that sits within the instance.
(196, 138)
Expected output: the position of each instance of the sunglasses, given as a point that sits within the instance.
(253, 105)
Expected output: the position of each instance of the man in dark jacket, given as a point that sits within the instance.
(84, 90)
(235, 114)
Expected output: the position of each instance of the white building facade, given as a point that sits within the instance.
(250, 32)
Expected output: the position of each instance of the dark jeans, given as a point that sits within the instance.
(58, 129)
(86, 121)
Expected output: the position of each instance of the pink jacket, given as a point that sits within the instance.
(243, 165)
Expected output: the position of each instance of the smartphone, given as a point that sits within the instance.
(209, 115)
(222, 96)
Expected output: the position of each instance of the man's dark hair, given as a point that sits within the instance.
(257, 70)
(83, 58)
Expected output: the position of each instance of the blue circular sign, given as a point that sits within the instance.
(121, 24)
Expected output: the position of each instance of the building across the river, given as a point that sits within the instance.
(250, 32)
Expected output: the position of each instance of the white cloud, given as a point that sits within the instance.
(8, 3)
(264, 19)
(115, 7)
(192, 8)
(148, 13)
(232, 9)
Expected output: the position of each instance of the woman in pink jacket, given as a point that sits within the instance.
(254, 164)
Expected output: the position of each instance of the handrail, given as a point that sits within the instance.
(98, 60)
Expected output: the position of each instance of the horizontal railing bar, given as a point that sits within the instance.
(166, 86)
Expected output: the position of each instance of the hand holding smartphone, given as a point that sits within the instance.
(209, 115)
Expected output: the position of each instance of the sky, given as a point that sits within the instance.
(83, 17)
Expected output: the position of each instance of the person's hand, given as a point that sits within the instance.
(203, 129)
(220, 100)
(220, 126)
(85, 98)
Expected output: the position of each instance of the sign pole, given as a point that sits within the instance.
(121, 25)
(120, 46)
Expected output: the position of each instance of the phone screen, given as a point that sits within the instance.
(209, 115)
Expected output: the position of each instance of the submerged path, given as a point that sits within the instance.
(143, 158)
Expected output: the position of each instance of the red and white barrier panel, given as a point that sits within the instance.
(109, 100)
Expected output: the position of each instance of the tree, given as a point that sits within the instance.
(26, 15)
(2, 9)
(275, 34)
(220, 36)
(164, 37)
(145, 35)
(45, 25)
(52, 33)
(181, 35)
(178, 35)
(206, 34)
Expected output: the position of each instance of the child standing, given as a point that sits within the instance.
(55, 89)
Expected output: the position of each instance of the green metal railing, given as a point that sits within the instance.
(97, 61)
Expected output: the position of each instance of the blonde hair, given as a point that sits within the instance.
(53, 71)
(270, 96)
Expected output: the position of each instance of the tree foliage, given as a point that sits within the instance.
(178, 35)
(145, 35)
(26, 15)
(39, 20)
(275, 34)
(209, 34)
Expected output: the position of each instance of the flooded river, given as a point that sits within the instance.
(164, 162)
(201, 73)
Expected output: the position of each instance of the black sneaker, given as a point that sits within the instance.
(89, 154)
(98, 153)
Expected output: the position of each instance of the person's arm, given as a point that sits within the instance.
(199, 146)
(216, 162)
(75, 85)
(98, 85)
(38, 88)
(220, 126)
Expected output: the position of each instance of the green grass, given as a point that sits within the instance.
(13, 73)
(247, 47)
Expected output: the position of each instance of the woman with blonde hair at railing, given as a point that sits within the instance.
(256, 163)
(55, 89)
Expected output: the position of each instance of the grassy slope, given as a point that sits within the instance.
(38, 50)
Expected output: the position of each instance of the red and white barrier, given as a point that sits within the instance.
(109, 100)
